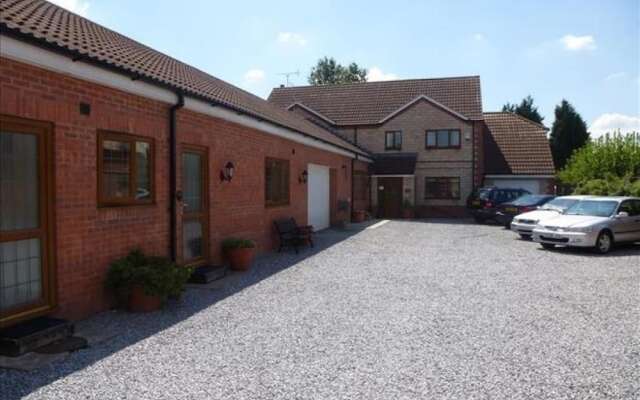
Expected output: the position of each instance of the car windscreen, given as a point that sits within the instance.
(559, 204)
(593, 208)
(528, 200)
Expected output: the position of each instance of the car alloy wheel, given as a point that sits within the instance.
(604, 242)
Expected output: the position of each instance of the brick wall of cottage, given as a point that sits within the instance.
(413, 123)
(88, 237)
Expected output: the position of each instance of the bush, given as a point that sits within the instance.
(610, 186)
(607, 166)
(157, 276)
(236, 243)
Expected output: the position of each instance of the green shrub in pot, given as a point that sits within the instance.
(156, 277)
(239, 252)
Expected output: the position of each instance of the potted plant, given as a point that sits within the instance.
(342, 214)
(239, 252)
(359, 215)
(143, 283)
(407, 210)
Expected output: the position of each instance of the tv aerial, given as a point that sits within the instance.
(289, 74)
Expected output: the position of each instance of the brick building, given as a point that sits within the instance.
(107, 145)
(431, 142)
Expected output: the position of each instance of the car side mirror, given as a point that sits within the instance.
(622, 214)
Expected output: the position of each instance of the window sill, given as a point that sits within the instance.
(120, 205)
(276, 205)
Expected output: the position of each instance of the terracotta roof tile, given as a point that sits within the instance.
(516, 145)
(51, 25)
(370, 102)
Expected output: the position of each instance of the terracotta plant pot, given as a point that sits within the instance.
(359, 216)
(240, 259)
(139, 301)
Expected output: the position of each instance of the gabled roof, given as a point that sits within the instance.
(55, 28)
(516, 146)
(369, 103)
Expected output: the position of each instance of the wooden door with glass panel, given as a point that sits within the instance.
(27, 285)
(195, 205)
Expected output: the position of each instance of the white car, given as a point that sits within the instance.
(524, 223)
(596, 222)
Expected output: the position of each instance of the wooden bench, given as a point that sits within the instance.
(290, 234)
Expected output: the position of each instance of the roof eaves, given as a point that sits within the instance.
(77, 56)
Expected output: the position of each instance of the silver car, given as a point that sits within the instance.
(524, 223)
(596, 222)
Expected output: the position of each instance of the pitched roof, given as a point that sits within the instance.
(516, 146)
(394, 164)
(56, 28)
(369, 103)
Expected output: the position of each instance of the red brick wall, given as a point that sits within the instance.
(362, 202)
(89, 237)
(237, 208)
(479, 131)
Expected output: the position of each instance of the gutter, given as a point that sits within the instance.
(173, 180)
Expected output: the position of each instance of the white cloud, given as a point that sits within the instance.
(479, 37)
(79, 7)
(578, 43)
(375, 74)
(292, 38)
(612, 122)
(254, 76)
(614, 76)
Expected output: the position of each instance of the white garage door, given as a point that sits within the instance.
(531, 185)
(318, 203)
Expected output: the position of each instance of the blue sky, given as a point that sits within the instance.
(585, 51)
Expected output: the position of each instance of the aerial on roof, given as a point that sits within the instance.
(370, 103)
(44, 23)
(518, 146)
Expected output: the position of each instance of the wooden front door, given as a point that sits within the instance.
(390, 197)
(27, 284)
(195, 206)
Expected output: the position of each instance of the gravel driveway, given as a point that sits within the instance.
(408, 310)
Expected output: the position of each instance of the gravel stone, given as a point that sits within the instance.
(431, 309)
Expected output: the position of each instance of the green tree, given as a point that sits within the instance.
(525, 109)
(569, 133)
(609, 165)
(328, 72)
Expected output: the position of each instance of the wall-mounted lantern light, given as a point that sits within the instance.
(227, 173)
(303, 177)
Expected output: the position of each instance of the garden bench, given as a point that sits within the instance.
(290, 234)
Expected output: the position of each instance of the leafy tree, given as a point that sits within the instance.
(569, 133)
(328, 72)
(609, 165)
(525, 109)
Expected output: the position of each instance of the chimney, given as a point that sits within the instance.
(281, 86)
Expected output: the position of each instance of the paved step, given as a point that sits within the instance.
(35, 333)
(208, 273)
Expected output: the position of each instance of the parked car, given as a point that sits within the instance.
(529, 202)
(523, 224)
(597, 222)
(483, 203)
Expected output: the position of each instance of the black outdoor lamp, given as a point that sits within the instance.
(227, 173)
(303, 177)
